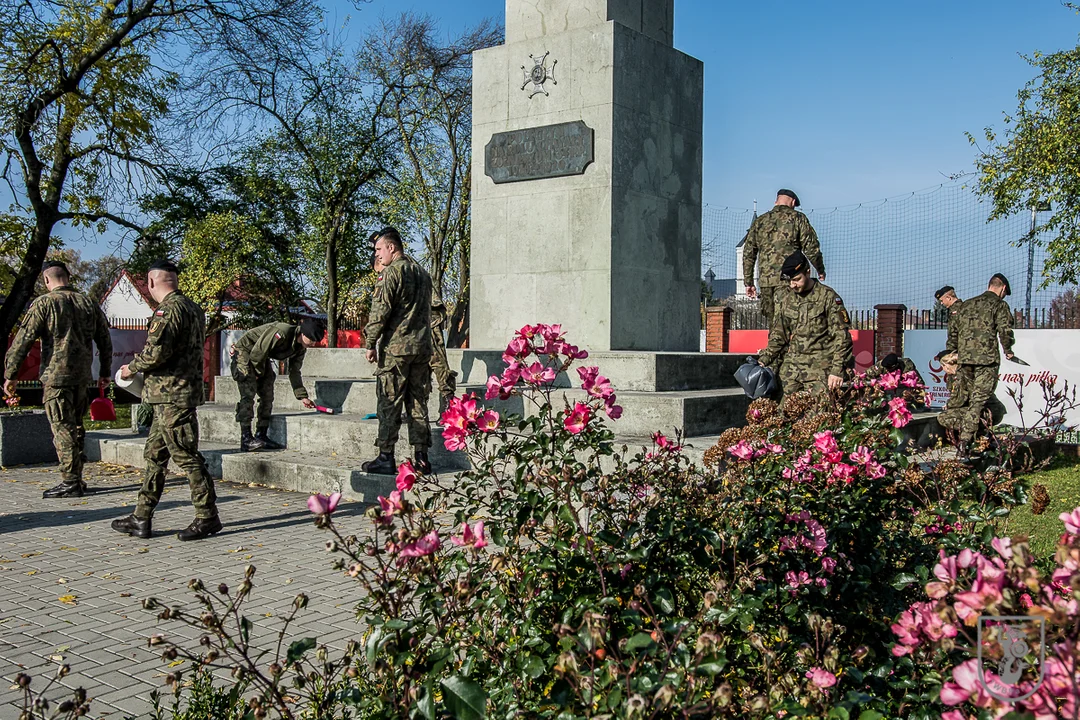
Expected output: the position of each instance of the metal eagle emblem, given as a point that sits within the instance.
(539, 74)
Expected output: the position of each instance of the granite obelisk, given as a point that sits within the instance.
(586, 195)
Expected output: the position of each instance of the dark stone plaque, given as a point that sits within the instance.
(540, 152)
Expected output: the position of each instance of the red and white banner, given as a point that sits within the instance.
(1053, 356)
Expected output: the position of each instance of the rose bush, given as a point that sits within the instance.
(565, 577)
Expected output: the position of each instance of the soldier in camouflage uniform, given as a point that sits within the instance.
(253, 370)
(771, 238)
(981, 323)
(172, 366)
(445, 379)
(398, 337)
(66, 321)
(949, 360)
(809, 343)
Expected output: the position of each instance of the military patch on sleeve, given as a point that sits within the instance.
(160, 313)
(156, 325)
(843, 311)
(277, 335)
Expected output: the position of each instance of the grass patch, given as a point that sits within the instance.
(1062, 481)
(122, 421)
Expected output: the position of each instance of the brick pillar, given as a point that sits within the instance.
(717, 325)
(889, 337)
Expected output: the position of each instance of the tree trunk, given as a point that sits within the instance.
(331, 290)
(22, 290)
(459, 321)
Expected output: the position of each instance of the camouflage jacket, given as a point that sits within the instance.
(67, 321)
(172, 359)
(273, 341)
(951, 328)
(400, 319)
(979, 324)
(810, 331)
(438, 307)
(771, 238)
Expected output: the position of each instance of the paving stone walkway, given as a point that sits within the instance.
(71, 587)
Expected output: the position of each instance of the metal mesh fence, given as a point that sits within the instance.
(900, 250)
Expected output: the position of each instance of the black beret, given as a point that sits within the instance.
(1004, 280)
(55, 264)
(790, 193)
(795, 263)
(890, 361)
(943, 290)
(313, 329)
(164, 265)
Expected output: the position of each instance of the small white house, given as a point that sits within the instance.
(129, 297)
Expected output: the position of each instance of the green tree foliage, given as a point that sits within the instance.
(85, 86)
(328, 140)
(236, 231)
(1034, 160)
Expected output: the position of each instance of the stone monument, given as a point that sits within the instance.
(586, 195)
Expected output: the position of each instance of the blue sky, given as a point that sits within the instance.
(845, 101)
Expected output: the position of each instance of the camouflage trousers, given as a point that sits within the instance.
(768, 304)
(250, 386)
(440, 367)
(175, 434)
(995, 407)
(804, 374)
(65, 407)
(403, 382)
(972, 389)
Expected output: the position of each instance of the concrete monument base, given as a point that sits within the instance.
(25, 439)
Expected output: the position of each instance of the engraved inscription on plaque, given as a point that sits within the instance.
(540, 152)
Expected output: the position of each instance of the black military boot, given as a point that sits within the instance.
(249, 441)
(131, 525)
(420, 462)
(65, 490)
(267, 443)
(382, 465)
(201, 528)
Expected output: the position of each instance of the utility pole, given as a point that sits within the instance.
(1041, 206)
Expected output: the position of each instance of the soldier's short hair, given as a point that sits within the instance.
(56, 265)
(392, 236)
(164, 265)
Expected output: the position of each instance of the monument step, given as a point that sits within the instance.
(280, 468)
(342, 436)
(341, 394)
(627, 371)
(307, 473)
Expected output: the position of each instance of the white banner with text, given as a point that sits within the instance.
(1052, 356)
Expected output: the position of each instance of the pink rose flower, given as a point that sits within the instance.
(406, 476)
(774, 448)
(578, 418)
(825, 442)
(488, 421)
(323, 504)
(1072, 521)
(454, 439)
(426, 545)
(899, 415)
(471, 537)
(613, 411)
(742, 450)
(1003, 547)
(889, 381)
(965, 686)
(391, 505)
(828, 565)
(821, 677)
(518, 349)
(537, 374)
(844, 472)
(861, 455)
(910, 379)
(875, 470)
